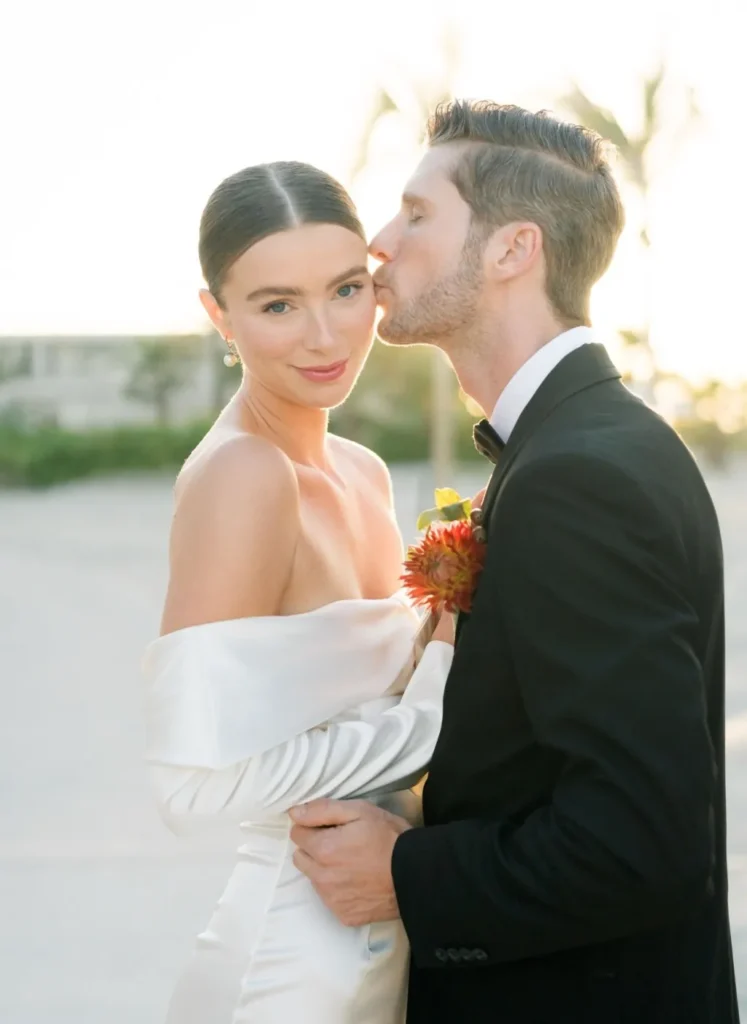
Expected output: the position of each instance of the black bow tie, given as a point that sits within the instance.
(487, 441)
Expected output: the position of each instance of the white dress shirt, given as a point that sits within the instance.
(526, 381)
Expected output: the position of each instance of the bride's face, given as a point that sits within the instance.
(299, 307)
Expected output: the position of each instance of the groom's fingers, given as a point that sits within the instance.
(316, 851)
(325, 812)
(305, 864)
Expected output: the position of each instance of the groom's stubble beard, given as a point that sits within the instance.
(445, 312)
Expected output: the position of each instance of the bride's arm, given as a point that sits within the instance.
(211, 581)
(343, 759)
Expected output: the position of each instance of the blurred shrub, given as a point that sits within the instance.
(716, 423)
(710, 442)
(49, 455)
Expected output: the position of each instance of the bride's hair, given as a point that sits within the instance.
(262, 200)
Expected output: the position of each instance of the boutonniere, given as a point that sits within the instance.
(442, 570)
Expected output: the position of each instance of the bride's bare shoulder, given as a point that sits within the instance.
(234, 464)
(233, 535)
(366, 462)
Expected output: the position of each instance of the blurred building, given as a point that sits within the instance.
(88, 381)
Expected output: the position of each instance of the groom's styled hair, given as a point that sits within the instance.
(533, 167)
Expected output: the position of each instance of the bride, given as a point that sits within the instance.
(288, 667)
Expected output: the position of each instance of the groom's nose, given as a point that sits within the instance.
(383, 244)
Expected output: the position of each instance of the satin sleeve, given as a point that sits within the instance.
(235, 738)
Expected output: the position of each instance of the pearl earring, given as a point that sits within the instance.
(231, 358)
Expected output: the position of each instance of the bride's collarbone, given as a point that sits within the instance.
(338, 507)
(348, 549)
(338, 562)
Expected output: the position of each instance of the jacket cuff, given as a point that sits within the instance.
(422, 871)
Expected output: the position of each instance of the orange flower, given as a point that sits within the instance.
(443, 569)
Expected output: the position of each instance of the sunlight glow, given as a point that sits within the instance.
(126, 116)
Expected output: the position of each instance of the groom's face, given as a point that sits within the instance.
(430, 280)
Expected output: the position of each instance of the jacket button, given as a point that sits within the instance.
(442, 955)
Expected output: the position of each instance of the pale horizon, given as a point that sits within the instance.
(123, 120)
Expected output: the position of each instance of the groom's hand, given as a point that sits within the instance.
(479, 498)
(345, 849)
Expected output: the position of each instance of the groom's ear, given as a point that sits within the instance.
(513, 250)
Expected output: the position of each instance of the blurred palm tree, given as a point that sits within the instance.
(634, 153)
(412, 101)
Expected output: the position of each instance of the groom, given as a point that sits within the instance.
(572, 867)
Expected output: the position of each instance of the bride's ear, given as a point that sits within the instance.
(218, 316)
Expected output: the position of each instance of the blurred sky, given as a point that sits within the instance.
(119, 119)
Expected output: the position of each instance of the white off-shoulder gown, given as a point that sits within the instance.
(247, 718)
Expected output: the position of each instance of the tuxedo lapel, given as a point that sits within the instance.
(581, 369)
(584, 368)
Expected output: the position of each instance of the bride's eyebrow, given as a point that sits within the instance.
(271, 289)
(353, 272)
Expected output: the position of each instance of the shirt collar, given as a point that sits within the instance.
(526, 381)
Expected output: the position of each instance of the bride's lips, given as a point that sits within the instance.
(323, 374)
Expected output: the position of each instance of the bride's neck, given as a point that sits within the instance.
(300, 431)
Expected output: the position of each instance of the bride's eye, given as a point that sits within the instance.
(346, 291)
(276, 307)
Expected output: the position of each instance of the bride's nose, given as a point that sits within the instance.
(319, 336)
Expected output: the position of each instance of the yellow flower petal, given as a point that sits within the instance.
(431, 515)
(447, 496)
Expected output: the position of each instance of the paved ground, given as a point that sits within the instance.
(99, 902)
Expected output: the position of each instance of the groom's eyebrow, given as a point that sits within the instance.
(271, 289)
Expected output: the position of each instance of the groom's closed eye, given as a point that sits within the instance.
(413, 208)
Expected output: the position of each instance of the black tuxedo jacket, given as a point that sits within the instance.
(573, 865)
